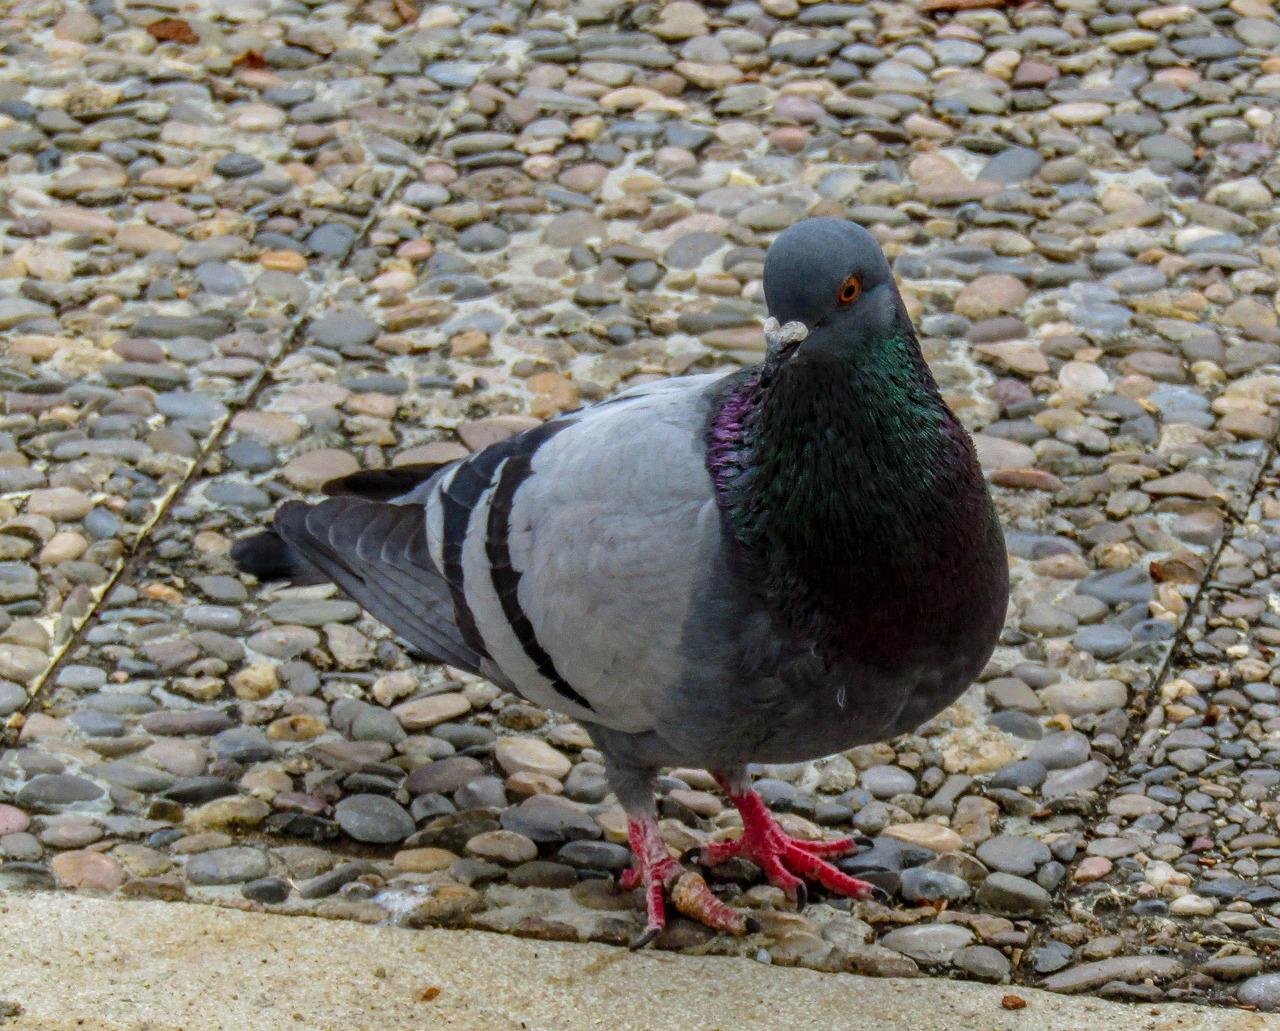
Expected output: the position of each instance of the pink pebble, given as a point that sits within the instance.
(12, 820)
(1092, 868)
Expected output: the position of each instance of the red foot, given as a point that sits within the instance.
(661, 875)
(783, 857)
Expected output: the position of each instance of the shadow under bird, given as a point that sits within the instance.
(762, 567)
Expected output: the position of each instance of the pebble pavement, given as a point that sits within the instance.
(241, 253)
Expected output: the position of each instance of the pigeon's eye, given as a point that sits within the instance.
(849, 290)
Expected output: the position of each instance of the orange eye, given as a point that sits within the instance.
(849, 290)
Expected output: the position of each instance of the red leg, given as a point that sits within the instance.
(786, 861)
(660, 875)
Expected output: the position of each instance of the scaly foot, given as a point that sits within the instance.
(786, 861)
(661, 875)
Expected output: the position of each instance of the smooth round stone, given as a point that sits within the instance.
(887, 781)
(343, 329)
(482, 793)
(530, 755)
(482, 237)
(250, 455)
(689, 251)
(76, 678)
(1085, 777)
(217, 277)
(20, 847)
(550, 818)
(1026, 773)
(270, 891)
(931, 944)
(541, 873)
(982, 962)
(92, 723)
(233, 865)
(1104, 641)
(333, 239)
(1233, 968)
(12, 820)
(595, 855)
(12, 698)
(1010, 895)
(1051, 957)
(56, 789)
(1013, 165)
(1082, 697)
(1262, 991)
(505, 847)
(1061, 751)
(135, 776)
(1015, 854)
(920, 884)
(236, 166)
(242, 745)
(373, 818)
(237, 495)
(92, 870)
(200, 789)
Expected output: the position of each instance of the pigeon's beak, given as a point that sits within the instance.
(781, 341)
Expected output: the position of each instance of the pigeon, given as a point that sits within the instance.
(765, 566)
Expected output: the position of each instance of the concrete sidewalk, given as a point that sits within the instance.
(86, 963)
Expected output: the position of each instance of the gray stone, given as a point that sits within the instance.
(1008, 895)
(270, 891)
(242, 745)
(1015, 854)
(313, 611)
(328, 883)
(920, 884)
(931, 944)
(1014, 165)
(1105, 641)
(14, 311)
(1061, 751)
(982, 962)
(373, 818)
(1084, 777)
(343, 329)
(1026, 773)
(1262, 991)
(233, 865)
(12, 697)
(58, 789)
(1088, 976)
(333, 239)
(887, 781)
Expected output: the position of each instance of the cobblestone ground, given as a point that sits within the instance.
(248, 247)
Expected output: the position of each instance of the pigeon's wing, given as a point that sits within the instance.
(560, 562)
(377, 553)
(581, 558)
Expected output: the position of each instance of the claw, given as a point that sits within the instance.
(786, 861)
(662, 878)
(693, 898)
(862, 841)
(878, 893)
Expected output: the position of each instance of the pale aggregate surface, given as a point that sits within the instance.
(96, 964)
(221, 284)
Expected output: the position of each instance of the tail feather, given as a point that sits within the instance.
(267, 556)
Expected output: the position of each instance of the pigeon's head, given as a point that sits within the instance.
(831, 275)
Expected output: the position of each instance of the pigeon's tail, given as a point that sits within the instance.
(268, 557)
